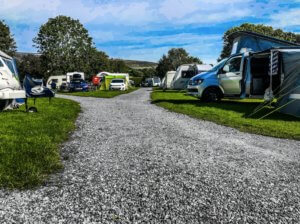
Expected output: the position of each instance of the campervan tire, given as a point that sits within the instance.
(211, 95)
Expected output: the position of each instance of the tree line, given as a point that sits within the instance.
(64, 45)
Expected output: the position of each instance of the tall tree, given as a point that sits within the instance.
(7, 42)
(99, 61)
(174, 58)
(30, 64)
(262, 29)
(117, 65)
(65, 46)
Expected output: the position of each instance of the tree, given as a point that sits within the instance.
(7, 42)
(65, 46)
(174, 58)
(99, 61)
(30, 64)
(117, 65)
(262, 29)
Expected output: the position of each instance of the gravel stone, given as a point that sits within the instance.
(132, 162)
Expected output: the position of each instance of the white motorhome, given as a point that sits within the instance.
(167, 80)
(58, 80)
(10, 87)
(185, 72)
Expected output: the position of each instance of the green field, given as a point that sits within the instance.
(29, 142)
(231, 113)
(102, 93)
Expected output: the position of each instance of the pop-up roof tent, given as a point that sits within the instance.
(283, 59)
(256, 42)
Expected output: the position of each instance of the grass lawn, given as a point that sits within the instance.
(102, 93)
(29, 142)
(231, 113)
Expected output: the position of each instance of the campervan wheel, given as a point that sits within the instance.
(211, 95)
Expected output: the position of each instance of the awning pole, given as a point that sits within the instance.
(271, 72)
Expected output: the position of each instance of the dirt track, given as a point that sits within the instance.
(131, 162)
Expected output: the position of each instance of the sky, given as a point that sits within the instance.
(147, 29)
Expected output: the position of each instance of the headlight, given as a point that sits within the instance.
(197, 82)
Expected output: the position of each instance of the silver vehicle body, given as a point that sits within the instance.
(225, 77)
(10, 87)
(185, 72)
(194, 82)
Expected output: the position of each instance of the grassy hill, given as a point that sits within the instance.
(140, 64)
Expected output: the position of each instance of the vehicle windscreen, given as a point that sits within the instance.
(117, 81)
(219, 65)
(1, 64)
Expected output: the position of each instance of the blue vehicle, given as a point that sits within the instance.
(78, 85)
(210, 78)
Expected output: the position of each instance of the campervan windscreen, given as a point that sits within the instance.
(219, 65)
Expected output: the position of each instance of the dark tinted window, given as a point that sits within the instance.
(188, 74)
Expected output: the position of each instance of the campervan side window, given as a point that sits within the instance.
(234, 64)
(1, 64)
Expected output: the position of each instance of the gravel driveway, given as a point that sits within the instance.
(132, 162)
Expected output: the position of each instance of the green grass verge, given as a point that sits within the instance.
(29, 142)
(102, 93)
(231, 113)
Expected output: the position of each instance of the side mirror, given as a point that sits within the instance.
(226, 68)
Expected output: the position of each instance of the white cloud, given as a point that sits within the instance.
(204, 11)
(286, 18)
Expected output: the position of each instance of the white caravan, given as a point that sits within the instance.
(156, 82)
(185, 72)
(59, 80)
(74, 75)
(167, 80)
(10, 87)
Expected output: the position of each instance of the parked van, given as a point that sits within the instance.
(10, 87)
(59, 80)
(185, 72)
(259, 70)
(167, 80)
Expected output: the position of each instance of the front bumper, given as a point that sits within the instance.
(12, 94)
(192, 90)
(117, 87)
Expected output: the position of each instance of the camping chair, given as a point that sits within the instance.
(34, 89)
